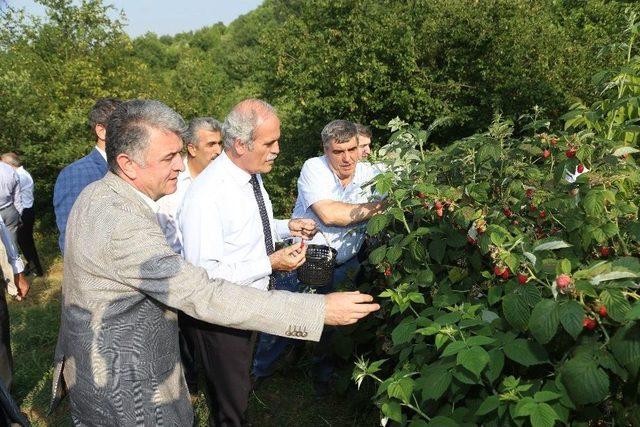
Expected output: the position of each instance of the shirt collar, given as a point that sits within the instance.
(102, 152)
(147, 200)
(185, 175)
(241, 177)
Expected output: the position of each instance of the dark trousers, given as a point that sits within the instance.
(225, 356)
(6, 361)
(25, 240)
(188, 337)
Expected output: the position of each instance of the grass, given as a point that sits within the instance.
(286, 399)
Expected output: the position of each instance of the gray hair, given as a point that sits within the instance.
(364, 130)
(340, 131)
(128, 129)
(209, 124)
(101, 110)
(12, 159)
(243, 120)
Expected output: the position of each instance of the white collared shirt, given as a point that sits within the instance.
(221, 226)
(26, 187)
(102, 153)
(318, 182)
(169, 205)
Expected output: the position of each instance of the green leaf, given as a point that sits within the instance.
(473, 359)
(625, 346)
(550, 246)
(634, 313)
(441, 421)
(480, 340)
(393, 254)
(585, 382)
(436, 382)
(495, 292)
(543, 415)
(526, 353)
(453, 348)
(563, 267)
(613, 275)
(437, 249)
(392, 411)
(496, 364)
(616, 303)
(402, 389)
(546, 396)
(377, 255)
(516, 311)
(490, 404)
(529, 293)
(571, 316)
(593, 203)
(377, 223)
(403, 332)
(544, 321)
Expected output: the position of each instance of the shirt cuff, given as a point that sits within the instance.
(282, 228)
(17, 265)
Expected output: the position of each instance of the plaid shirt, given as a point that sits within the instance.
(71, 181)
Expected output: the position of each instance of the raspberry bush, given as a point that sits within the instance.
(508, 266)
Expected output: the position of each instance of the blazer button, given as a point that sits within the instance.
(304, 334)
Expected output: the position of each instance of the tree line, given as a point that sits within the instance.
(315, 60)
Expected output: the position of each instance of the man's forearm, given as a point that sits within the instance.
(344, 214)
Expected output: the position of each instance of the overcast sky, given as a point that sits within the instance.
(165, 16)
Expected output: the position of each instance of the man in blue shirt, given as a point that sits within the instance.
(75, 177)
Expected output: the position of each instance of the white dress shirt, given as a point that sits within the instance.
(26, 187)
(318, 182)
(221, 226)
(102, 152)
(169, 205)
(9, 188)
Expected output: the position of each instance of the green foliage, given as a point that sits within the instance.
(530, 313)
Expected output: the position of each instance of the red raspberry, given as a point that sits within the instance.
(580, 168)
(505, 274)
(388, 272)
(421, 195)
(507, 212)
(605, 251)
(543, 214)
(571, 152)
(529, 193)
(438, 205)
(498, 270)
(553, 141)
(563, 281)
(602, 311)
(471, 240)
(546, 153)
(589, 323)
(522, 278)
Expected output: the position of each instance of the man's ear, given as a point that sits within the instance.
(101, 132)
(127, 166)
(240, 147)
(191, 149)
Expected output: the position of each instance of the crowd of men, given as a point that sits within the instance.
(171, 263)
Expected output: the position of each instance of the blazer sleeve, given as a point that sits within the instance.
(143, 260)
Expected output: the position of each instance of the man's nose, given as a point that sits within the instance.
(275, 148)
(178, 164)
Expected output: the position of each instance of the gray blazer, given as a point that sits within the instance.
(117, 348)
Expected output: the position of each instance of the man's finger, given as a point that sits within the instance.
(364, 309)
(360, 298)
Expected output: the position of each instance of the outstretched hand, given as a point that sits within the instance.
(346, 308)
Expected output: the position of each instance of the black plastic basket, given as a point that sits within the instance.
(319, 266)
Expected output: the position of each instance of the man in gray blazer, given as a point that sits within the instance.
(117, 352)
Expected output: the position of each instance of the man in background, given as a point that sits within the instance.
(25, 232)
(203, 139)
(364, 141)
(73, 178)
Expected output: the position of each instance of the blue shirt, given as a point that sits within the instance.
(9, 187)
(71, 181)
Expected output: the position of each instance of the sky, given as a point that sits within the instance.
(164, 17)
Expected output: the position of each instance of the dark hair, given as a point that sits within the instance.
(363, 130)
(129, 125)
(209, 124)
(340, 131)
(102, 109)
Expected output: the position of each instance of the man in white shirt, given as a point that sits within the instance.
(25, 232)
(203, 139)
(332, 192)
(227, 226)
(11, 273)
